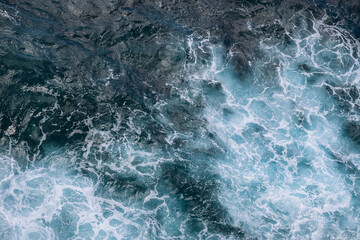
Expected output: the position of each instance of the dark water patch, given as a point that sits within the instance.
(305, 67)
(343, 13)
(121, 188)
(28, 71)
(352, 130)
(198, 197)
(301, 120)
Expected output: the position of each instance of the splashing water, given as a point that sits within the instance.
(290, 166)
(273, 154)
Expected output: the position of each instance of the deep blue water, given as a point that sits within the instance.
(179, 119)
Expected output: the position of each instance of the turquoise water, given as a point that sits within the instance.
(270, 154)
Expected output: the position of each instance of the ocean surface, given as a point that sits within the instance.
(170, 119)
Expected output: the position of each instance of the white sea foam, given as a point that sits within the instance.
(278, 178)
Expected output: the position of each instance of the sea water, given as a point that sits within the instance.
(271, 154)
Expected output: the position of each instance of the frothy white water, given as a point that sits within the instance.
(53, 201)
(283, 129)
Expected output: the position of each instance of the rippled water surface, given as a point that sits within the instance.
(179, 119)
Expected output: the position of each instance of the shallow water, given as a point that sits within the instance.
(158, 120)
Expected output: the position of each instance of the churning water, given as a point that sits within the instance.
(159, 120)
